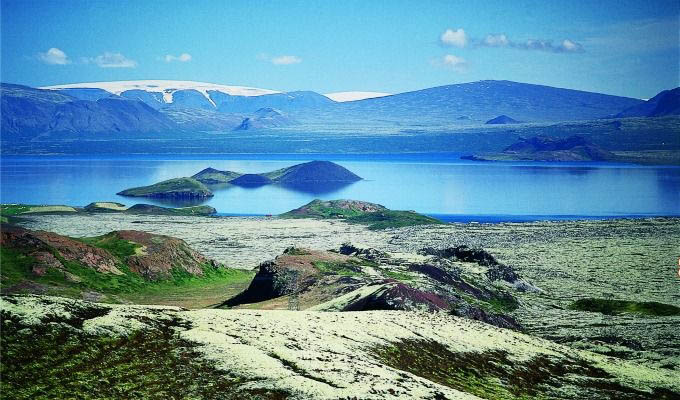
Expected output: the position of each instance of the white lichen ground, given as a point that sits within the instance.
(327, 355)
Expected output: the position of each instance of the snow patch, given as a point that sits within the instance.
(342, 97)
(167, 88)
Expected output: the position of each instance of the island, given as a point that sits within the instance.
(172, 188)
(309, 172)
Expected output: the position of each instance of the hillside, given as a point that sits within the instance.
(171, 188)
(118, 265)
(28, 112)
(663, 104)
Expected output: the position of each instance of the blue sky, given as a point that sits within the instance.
(628, 48)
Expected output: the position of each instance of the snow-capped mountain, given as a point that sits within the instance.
(165, 95)
(342, 97)
(166, 88)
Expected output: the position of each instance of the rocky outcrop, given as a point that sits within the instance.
(159, 255)
(365, 279)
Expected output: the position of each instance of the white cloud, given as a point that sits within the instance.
(111, 60)
(184, 57)
(54, 56)
(456, 38)
(570, 46)
(285, 60)
(496, 40)
(453, 61)
(450, 61)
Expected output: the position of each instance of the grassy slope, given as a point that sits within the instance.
(11, 210)
(183, 289)
(170, 187)
(55, 362)
(216, 176)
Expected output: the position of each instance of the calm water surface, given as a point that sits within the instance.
(432, 184)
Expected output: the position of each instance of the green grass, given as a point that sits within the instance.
(392, 219)
(7, 210)
(400, 276)
(170, 187)
(318, 209)
(349, 268)
(611, 307)
(52, 361)
(113, 244)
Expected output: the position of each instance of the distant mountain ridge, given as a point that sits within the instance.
(148, 107)
(484, 100)
(28, 112)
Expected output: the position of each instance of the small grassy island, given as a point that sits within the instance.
(360, 212)
(171, 188)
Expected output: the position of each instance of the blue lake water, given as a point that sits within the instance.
(434, 184)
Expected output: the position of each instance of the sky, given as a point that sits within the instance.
(622, 47)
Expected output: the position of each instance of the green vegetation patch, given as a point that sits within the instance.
(392, 219)
(348, 268)
(113, 244)
(320, 209)
(611, 307)
(169, 187)
(56, 361)
(400, 276)
(7, 210)
(492, 374)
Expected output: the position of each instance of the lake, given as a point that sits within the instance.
(435, 184)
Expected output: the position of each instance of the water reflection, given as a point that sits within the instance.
(167, 202)
(316, 188)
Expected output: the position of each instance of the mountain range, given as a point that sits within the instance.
(149, 107)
